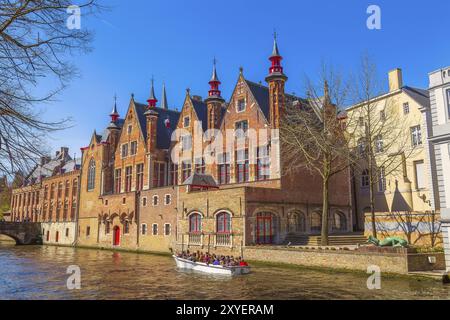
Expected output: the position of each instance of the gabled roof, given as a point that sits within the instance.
(421, 96)
(163, 134)
(261, 94)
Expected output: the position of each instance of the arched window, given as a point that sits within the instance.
(296, 222)
(195, 223)
(365, 178)
(223, 222)
(91, 175)
(126, 227)
(316, 221)
(339, 222)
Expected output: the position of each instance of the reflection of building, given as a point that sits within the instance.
(50, 196)
(439, 141)
(134, 195)
(398, 139)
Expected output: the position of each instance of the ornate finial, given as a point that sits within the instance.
(152, 99)
(114, 114)
(241, 70)
(188, 91)
(214, 77)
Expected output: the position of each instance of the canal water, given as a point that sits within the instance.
(39, 272)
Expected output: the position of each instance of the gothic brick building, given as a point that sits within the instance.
(49, 195)
(146, 186)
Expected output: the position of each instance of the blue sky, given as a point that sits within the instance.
(176, 41)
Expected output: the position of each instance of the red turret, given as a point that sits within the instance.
(114, 114)
(214, 83)
(152, 100)
(275, 58)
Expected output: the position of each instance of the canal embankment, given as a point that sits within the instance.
(390, 260)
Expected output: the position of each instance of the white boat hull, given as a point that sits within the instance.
(208, 268)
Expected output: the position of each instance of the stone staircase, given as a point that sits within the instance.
(349, 239)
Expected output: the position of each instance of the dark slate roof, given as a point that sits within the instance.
(202, 112)
(421, 96)
(201, 180)
(261, 94)
(163, 134)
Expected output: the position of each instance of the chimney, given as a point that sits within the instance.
(395, 80)
(64, 152)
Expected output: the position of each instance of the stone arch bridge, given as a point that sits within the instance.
(24, 233)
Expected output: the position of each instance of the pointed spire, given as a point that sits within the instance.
(214, 82)
(114, 114)
(214, 76)
(152, 99)
(275, 52)
(164, 104)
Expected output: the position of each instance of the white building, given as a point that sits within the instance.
(439, 147)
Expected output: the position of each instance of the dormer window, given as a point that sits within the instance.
(186, 122)
(240, 105)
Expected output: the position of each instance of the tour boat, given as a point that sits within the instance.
(209, 268)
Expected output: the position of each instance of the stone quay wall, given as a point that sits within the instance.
(398, 263)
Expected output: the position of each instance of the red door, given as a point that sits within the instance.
(116, 236)
(264, 234)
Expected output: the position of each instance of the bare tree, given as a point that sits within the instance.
(378, 133)
(36, 44)
(312, 136)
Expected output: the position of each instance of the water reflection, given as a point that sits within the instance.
(39, 272)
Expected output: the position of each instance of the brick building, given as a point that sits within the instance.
(146, 186)
(49, 195)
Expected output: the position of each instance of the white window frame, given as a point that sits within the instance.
(121, 150)
(417, 175)
(379, 145)
(184, 121)
(165, 198)
(170, 229)
(153, 200)
(416, 136)
(237, 105)
(153, 229)
(146, 229)
(131, 149)
(406, 108)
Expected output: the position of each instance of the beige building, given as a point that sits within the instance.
(393, 124)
